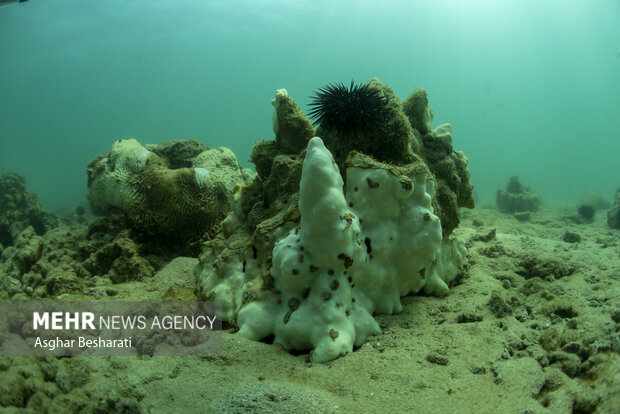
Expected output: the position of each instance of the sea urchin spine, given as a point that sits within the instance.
(353, 110)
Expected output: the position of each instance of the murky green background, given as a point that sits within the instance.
(531, 87)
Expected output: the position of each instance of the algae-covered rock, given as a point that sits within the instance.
(13, 390)
(162, 195)
(451, 175)
(613, 214)
(292, 128)
(517, 197)
(417, 110)
(28, 249)
(595, 200)
(20, 209)
(120, 260)
(178, 153)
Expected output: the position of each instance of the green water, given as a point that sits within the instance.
(531, 87)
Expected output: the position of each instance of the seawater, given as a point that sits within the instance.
(531, 88)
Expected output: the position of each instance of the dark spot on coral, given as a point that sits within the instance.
(350, 203)
(348, 261)
(348, 313)
(352, 299)
(368, 248)
(305, 293)
(565, 311)
(254, 252)
(423, 272)
(371, 183)
(293, 303)
(244, 263)
(327, 296)
(333, 334)
(295, 272)
(355, 189)
(313, 268)
(301, 258)
(350, 279)
(331, 272)
(427, 217)
(334, 285)
(468, 317)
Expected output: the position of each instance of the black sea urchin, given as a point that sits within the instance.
(358, 109)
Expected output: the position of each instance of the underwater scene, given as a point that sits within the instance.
(313, 206)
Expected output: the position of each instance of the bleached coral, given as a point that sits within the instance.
(349, 259)
(309, 260)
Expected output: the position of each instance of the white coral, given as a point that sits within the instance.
(351, 257)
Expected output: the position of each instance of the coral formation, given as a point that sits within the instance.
(517, 197)
(613, 214)
(177, 189)
(595, 200)
(345, 257)
(448, 166)
(309, 262)
(20, 209)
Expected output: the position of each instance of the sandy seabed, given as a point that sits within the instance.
(531, 327)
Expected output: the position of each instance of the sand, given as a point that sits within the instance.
(530, 327)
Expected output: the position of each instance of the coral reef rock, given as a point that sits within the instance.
(316, 246)
(20, 209)
(177, 189)
(517, 197)
(613, 214)
(595, 200)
